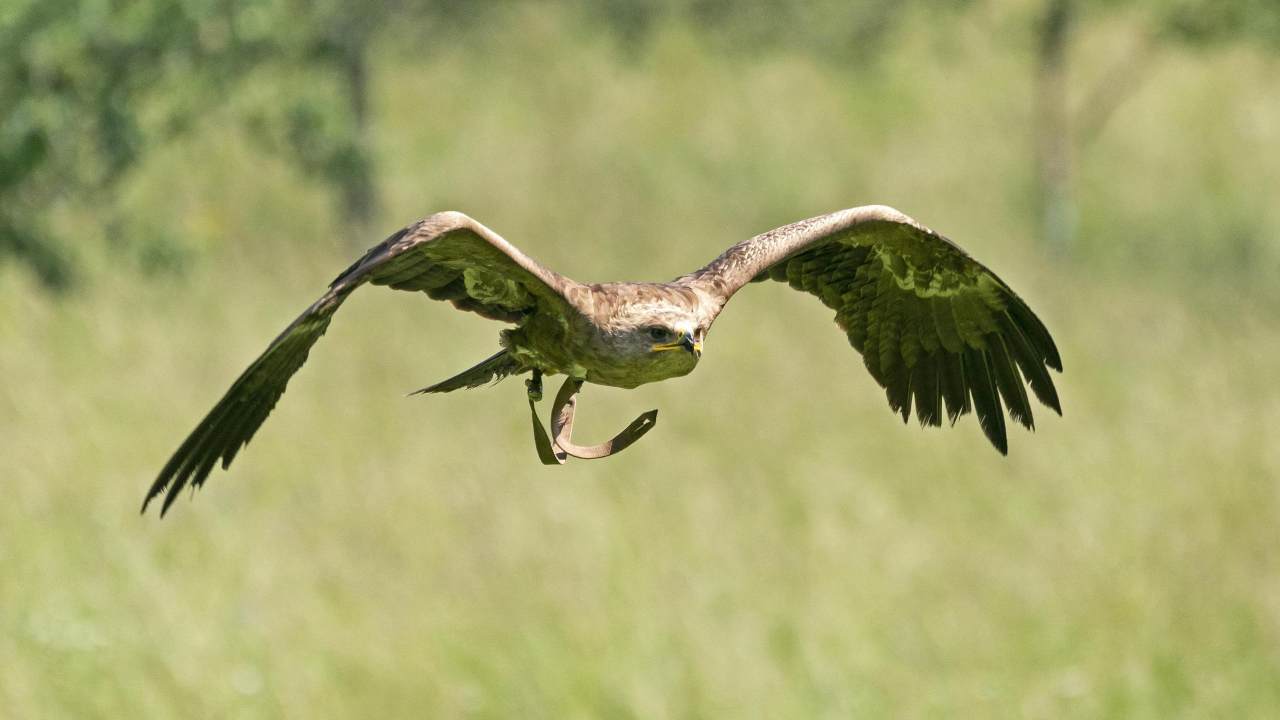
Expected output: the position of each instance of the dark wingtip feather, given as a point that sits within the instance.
(986, 400)
(926, 387)
(1030, 360)
(240, 412)
(1035, 331)
(1009, 383)
(898, 391)
(954, 390)
(172, 495)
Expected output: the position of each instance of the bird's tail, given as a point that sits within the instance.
(491, 369)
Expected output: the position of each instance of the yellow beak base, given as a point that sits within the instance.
(681, 343)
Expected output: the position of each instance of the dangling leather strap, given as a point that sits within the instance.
(553, 452)
(562, 426)
(546, 451)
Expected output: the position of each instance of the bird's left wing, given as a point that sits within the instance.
(448, 256)
(932, 324)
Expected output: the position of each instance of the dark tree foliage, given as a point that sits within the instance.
(87, 87)
(72, 73)
(842, 31)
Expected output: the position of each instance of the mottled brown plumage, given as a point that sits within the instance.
(935, 328)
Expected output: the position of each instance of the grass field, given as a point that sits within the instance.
(780, 545)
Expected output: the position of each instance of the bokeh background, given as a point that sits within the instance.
(178, 178)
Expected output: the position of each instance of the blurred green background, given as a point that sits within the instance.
(178, 178)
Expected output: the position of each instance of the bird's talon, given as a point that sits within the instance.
(534, 387)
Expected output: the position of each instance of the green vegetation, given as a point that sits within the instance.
(780, 545)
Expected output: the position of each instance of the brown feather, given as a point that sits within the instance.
(432, 255)
(931, 322)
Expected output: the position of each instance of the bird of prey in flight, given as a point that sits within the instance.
(934, 326)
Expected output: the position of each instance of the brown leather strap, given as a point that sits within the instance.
(631, 433)
(562, 413)
(553, 452)
(546, 451)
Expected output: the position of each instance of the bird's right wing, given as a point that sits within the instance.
(448, 256)
(932, 324)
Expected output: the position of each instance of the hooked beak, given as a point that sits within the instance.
(684, 342)
(688, 343)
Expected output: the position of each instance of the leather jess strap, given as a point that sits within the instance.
(557, 451)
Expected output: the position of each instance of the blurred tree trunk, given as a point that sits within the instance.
(1053, 128)
(1064, 131)
(359, 196)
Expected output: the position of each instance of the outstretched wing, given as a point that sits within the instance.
(932, 323)
(448, 256)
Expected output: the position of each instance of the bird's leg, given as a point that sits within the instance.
(534, 386)
(562, 413)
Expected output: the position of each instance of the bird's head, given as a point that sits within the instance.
(675, 337)
(658, 340)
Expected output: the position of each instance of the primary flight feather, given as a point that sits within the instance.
(936, 329)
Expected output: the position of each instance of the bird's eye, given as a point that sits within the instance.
(659, 333)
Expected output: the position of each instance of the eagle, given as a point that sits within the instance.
(939, 331)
